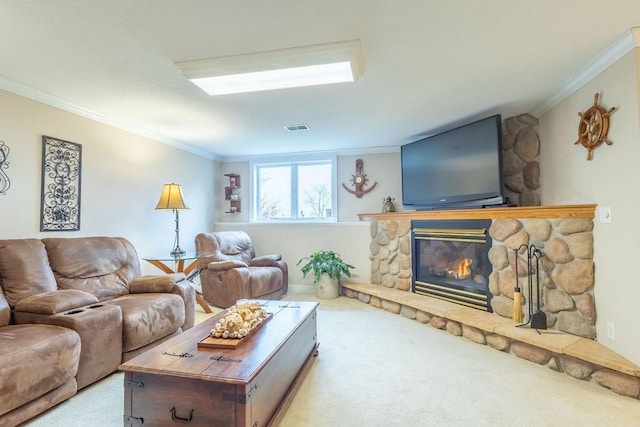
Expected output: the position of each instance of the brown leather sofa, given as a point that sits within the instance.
(72, 310)
(231, 271)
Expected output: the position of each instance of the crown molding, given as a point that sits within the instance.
(302, 155)
(615, 51)
(53, 101)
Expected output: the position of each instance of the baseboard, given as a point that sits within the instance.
(302, 289)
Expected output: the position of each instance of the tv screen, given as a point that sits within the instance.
(461, 167)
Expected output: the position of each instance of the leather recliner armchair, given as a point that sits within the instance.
(229, 269)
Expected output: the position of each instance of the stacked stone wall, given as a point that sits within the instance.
(390, 254)
(566, 271)
(520, 153)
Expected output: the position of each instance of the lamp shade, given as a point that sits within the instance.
(171, 197)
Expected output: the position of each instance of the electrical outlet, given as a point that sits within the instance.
(611, 330)
(604, 213)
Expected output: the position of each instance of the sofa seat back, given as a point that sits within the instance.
(24, 269)
(102, 266)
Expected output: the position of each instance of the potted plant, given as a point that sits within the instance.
(327, 267)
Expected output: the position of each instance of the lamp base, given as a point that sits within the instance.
(177, 252)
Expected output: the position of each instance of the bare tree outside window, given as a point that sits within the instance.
(269, 208)
(294, 191)
(317, 200)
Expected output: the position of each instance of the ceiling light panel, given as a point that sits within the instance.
(284, 68)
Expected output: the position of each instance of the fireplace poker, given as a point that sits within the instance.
(539, 318)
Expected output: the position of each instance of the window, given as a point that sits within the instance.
(294, 190)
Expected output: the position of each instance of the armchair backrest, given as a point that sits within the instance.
(226, 246)
(102, 266)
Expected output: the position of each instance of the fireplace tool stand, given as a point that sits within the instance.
(537, 319)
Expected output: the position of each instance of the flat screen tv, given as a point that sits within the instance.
(458, 168)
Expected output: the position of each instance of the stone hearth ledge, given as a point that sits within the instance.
(606, 367)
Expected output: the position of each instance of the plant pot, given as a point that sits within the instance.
(327, 288)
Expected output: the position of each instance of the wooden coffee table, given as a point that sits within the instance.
(178, 382)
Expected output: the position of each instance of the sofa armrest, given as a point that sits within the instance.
(55, 301)
(156, 284)
(266, 260)
(225, 265)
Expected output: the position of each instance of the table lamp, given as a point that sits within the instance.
(171, 198)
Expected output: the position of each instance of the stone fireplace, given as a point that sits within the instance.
(566, 273)
(564, 234)
(451, 261)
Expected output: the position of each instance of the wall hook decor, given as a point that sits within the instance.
(5, 182)
(359, 180)
(594, 126)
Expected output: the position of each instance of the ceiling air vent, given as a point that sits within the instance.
(295, 128)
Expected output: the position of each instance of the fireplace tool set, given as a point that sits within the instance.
(537, 319)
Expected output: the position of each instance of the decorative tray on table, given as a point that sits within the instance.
(239, 321)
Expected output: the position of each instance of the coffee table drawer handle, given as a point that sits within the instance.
(174, 417)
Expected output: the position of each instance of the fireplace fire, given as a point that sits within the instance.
(451, 261)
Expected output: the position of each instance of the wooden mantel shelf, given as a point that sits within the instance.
(524, 212)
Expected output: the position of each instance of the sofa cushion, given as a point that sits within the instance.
(102, 266)
(35, 359)
(148, 317)
(55, 302)
(24, 269)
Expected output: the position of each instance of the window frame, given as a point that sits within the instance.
(292, 160)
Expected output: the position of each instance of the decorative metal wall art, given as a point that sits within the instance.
(61, 170)
(359, 180)
(594, 126)
(5, 182)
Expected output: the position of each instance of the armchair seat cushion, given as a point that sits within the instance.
(34, 360)
(148, 317)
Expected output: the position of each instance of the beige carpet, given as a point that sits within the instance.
(379, 369)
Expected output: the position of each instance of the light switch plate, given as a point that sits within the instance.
(604, 213)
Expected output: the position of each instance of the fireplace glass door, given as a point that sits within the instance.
(450, 261)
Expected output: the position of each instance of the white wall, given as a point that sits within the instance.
(349, 237)
(122, 177)
(610, 179)
(294, 241)
(382, 169)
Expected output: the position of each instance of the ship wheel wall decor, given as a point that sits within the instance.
(359, 180)
(594, 126)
